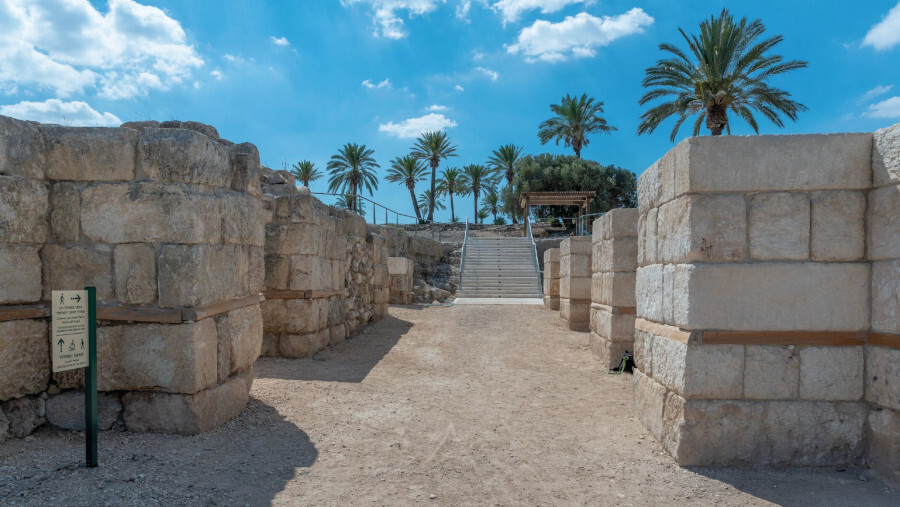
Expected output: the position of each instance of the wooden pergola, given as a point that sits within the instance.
(580, 199)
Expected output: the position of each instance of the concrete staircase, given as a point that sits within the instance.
(499, 268)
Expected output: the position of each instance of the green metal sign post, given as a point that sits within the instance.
(90, 383)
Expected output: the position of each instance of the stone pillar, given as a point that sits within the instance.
(614, 262)
(883, 350)
(400, 270)
(551, 278)
(753, 299)
(575, 282)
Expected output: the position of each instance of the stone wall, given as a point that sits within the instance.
(575, 282)
(551, 278)
(614, 261)
(753, 342)
(400, 273)
(166, 223)
(436, 264)
(326, 276)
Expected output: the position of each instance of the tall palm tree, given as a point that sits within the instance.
(491, 204)
(575, 119)
(409, 171)
(306, 171)
(479, 179)
(426, 198)
(433, 146)
(729, 70)
(452, 182)
(351, 170)
(504, 160)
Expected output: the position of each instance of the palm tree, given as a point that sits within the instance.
(452, 181)
(729, 70)
(504, 160)
(482, 215)
(352, 170)
(348, 202)
(479, 179)
(409, 171)
(575, 119)
(305, 171)
(426, 198)
(433, 146)
(491, 204)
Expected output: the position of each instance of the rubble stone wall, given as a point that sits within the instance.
(614, 261)
(575, 282)
(400, 272)
(165, 221)
(767, 299)
(551, 278)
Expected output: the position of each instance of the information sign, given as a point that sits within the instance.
(69, 337)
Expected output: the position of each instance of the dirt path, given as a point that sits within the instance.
(476, 405)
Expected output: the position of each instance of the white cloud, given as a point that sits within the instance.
(67, 46)
(576, 36)
(459, 88)
(75, 113)
(874, 92)
(436, 107)
(230, 58)
(462, 10)
(885, 34)
(888, 108)
(511, 10)
(279, 41)
(384, 14)
(492, 75)
(372, 86)
(413, 127)
(218, 74)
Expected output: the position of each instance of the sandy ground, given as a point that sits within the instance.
(467, 405)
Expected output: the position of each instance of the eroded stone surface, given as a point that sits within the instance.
(20, 274)
(66, 410)
(240, 340)
(25, 356)
(831, 373)
(90, 153)
(779, 226)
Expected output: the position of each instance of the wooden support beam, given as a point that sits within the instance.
(126, 314)
(200, 313)
(35, 311)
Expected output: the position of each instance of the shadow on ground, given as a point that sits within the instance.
(349, 361)
(247, 461)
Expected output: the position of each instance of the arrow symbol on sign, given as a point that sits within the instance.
(61, 343)
(76, 298)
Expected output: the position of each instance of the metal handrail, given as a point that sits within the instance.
(419, 221)
(537, 265)
(462, 256)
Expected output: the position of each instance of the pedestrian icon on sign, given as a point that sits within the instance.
(62, 300)
(82, 344)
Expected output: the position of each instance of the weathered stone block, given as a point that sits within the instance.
(295, 239)
(551, 255)
(178, 358)
(575, 288)
(575, 245)
(695, 371)
(615, 255)
(643, 351)
(25, 356)
(718, 296)
(246, 169)
(579, 266)
(831, 373)
(883, 454)
(771, 373)
(24, 210)
(649, 293)
(885, 155)
(66, 410)
(75, 268)
(616, 224)
(338, 334)
(551, 302)
(90, 153)
(183, 156)
(608, 353)
(143, 212)
(883, 376)
(702, 228)
(290, 316)
(649, 399)
(243, 222)
(278, 271)
(24, 415)
(269, 345)
(883, 233)
(779, 226)
(256, 269)
(313, 272)
(240, 340)
(647, 238)
(613, 327)
(300, 346)
(838, 226)
(65, 203)
(21, 149)
(649, 188)
(135, 268)
(187, 414)
(20, 274)
(198, 275)
(614, 289)
(886, 296)
(576, 315)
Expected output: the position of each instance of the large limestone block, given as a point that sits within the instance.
(577, 316)
(703, 228)
(579, 265)
(551, 270)
(90, 153)
(735, 432)
(240, 340)
(648, 400)
(25, 356)
(65, 203)
(613, 327)
(183, 156)
(295, 239)
(278, 271)
(615, 255)
(144, 212)
(884, 223)
(838, 226)
(400, 266)
(551, 255)
(615, 224)
(187, 414)
(831, 373)
(290, 316)
(312, 272)
(575, 245)
(608, 353)
(199, 275)
(21, 149)
(776, 163)
(883, 454)
(300, 346)
(575, 288)
(77, 267)
(135, 268)
(649, 293)
(177, 358)
(421, 249)
(699, 372)
(243, 222)
(885, 155)
(886, 296)
(24, 210)
(771, 373)
(769, 296)
(643, 351)
(256, 269)
(649, 188)
(647, 237)
(20, 274)
(883, 376)
(24, 415)
(779, 226)
(66, 410)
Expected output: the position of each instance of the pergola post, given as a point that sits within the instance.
(566, 198)
(525, 220)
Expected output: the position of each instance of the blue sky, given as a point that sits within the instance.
(301, 78)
